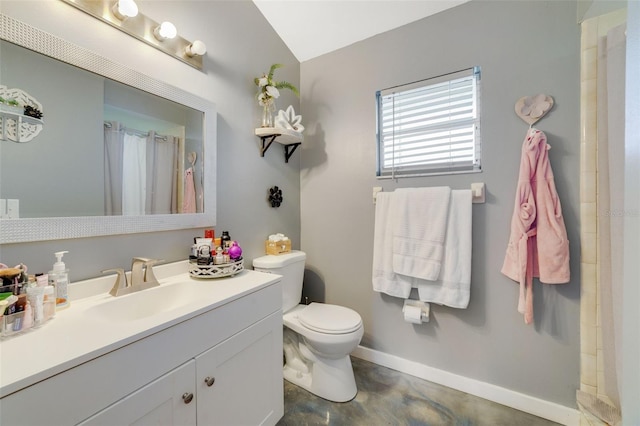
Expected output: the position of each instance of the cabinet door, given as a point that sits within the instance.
(240, 380)
(165, 401)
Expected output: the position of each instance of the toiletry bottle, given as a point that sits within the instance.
(49, 302)
(20, 306)
(27, 319)
(59, 278)
(219, 258)
(235, 252)
(225, 240)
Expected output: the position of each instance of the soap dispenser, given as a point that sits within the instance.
(59, 278)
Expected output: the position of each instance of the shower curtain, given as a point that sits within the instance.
(610, 82)
(141, 172)
(134, 173)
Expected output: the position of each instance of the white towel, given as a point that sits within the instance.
(384, 279)
(420, 223)
(453, 286)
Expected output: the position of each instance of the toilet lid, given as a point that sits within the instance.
(329, 319)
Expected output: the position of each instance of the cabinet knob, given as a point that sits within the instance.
(210, 381)
(187, 397)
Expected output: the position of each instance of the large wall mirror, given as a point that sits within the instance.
(119, 152)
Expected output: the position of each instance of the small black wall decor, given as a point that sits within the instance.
(275, 196)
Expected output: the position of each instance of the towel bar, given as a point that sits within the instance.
(477, 193)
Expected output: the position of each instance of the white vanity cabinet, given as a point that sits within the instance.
(219, 367)
(233, 383)
(237, 384)
(162, 402)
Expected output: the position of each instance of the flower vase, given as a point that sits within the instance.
(267, 117)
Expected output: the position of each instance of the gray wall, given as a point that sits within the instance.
(524, 48)
(241, 45)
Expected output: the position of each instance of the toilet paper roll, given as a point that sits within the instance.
(412, 314)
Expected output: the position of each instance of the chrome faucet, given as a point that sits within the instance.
(142, 277)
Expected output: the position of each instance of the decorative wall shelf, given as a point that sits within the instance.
(14, 125)
(289, 139)
(18, 127)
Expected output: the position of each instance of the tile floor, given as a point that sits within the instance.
(388, 397)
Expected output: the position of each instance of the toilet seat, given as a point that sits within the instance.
(329, 319)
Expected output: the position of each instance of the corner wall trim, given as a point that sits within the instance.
(529, 404)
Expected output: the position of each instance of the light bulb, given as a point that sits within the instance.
(165, 31)
(124, 9)
(197, 48)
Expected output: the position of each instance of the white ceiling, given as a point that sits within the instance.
(312, 28)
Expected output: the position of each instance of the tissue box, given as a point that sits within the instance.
(279, 247)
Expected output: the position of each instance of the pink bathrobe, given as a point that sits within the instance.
(538, 245)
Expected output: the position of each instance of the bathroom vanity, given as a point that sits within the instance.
(188, 352)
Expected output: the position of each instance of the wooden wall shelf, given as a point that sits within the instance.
(289, 139)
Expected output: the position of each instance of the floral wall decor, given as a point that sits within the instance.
(275, 196)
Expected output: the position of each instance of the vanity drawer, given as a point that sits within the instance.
(78, 393)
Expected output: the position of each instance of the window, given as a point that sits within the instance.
(430, 127)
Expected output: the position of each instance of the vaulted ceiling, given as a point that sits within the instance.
(311, 28)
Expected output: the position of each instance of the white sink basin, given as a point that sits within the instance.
(96, 323)
(147, 303)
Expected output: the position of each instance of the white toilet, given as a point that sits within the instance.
(318, 337)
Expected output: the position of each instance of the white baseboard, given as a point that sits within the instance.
(529, 404)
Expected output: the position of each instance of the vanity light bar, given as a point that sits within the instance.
(143, 28)
(165, 31)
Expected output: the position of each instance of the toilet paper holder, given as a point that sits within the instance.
(409, 311)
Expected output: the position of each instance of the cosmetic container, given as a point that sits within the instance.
(13, 320)
(35, 296)
(27, 311)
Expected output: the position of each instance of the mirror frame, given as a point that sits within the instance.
(56, 228)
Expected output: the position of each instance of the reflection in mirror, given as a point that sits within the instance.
(134, 164)
(107, 149)
(146, 141)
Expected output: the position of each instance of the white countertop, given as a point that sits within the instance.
(77, 335)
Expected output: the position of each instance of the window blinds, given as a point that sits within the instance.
(430, 127)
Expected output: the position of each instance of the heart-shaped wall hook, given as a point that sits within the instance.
(533, 108)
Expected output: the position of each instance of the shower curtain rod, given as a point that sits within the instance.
(136, 132)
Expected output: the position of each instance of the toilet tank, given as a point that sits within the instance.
(291, 267)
